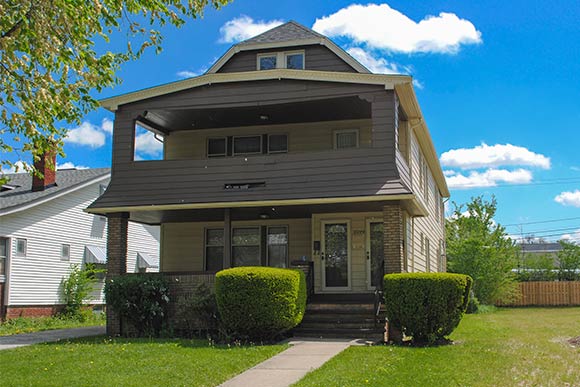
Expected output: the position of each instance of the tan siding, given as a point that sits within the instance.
(304, 137)
(183, 243)
(431, 226)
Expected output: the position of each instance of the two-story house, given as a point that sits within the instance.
(286, 149)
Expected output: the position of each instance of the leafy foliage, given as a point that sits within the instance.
(77, 288)
(536, 268)
(480, 248)
(140, 300)
(196, 313)
(49, 63)
(260, 303)
(426, 306)
(569, 258)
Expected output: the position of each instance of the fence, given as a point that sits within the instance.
(544, 293)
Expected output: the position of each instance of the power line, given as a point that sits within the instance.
(534, 233)
(541, 221)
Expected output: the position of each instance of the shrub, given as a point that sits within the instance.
(196, 313)
(77, 289)
(140, 300)
(426, 306)
(260, 303)
(473, 304)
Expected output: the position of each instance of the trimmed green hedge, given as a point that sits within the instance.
(140, 300)
(426, 306)
(260, 303)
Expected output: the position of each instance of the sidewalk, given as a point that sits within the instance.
(291, 365)
(15, 341)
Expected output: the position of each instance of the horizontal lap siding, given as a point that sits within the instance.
(307, 137)
(183, 243)
(35, 279)
(317, 57)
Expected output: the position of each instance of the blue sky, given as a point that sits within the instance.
(489, 74)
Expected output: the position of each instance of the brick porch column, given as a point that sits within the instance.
(393, 238)
(118, 224)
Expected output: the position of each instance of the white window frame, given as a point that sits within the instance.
(287, 243)
(298, 52)
(259, 243)
(5, 257)
(267, 55)
(427, 255)
(18, 254)
(251, 153)
(278, 134)
(335, 134)
(62, 256)
(225, 154)
(205, 245)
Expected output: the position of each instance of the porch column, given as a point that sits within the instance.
(117, 225)
(393, 238)
(227, 238)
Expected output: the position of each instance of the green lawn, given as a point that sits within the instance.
(35, 324)
(509, 347)
(128, 362)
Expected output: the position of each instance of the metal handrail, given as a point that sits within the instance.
(378, 303)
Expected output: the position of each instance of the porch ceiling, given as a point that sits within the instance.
(333, 109)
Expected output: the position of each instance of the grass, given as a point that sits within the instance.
(128, 362)
(505, 347)
(36, 324)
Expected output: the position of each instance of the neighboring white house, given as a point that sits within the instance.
(44, 231)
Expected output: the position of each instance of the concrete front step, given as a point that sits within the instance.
(365, 333)
(341, 308)
(326, 326)
(338, 318)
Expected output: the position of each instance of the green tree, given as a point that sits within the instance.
(569, 258)
(479, 247)
(49, 63)
(77, 288)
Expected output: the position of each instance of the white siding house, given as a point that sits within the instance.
(45, 233)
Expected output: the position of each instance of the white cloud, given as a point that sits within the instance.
(486, 156)
(88, 134)
(107, 125)
(187, 74)
(574, 168)
(573, 237)
(569, 198)
(488, 178)
(376, 65)
(147, 145)
(18, 167)
(382, 27)
(244, 27)
(69, 165)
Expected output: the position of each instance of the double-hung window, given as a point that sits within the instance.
(65, 252)
(293, 60)
(214, 249)
(277, 143)
(21, 247)
(247, 145)
(267, 61)
(277, 246)
(246, 246)
(4, 247)
(345, 139)
(217, 147)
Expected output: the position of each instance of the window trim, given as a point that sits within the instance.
(335, 133)
(267, 55)
(286, 54)
(208, 139)
(287, 143)
(247, 154)
(62, 257)
(5, 257)
(205, 245)
(268, 227)
(257, 227)
(25, 247)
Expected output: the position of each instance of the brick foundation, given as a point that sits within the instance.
(33, 311)
(118, 224)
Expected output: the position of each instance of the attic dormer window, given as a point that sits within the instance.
(293, 60)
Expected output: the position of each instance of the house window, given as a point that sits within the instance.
(344, 139)
(214, 249)
(4, 243)
(246, 246)
(21, 247)
(427, 255)
(277, 246)
(409, 260)
(216, 147)
(295, 60)
(247, 145)
(267, 61)
(65, 252)
(277, 143)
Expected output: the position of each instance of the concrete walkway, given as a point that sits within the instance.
(24, 339)
(291, 365)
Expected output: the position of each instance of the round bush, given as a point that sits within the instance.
(426, 306)
(259, 303)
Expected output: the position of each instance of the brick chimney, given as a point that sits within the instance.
(46, 165)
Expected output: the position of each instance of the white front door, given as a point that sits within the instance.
(335, 255)
(374, 252)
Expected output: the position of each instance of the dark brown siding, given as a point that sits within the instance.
(316, 57)
(356, 172)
